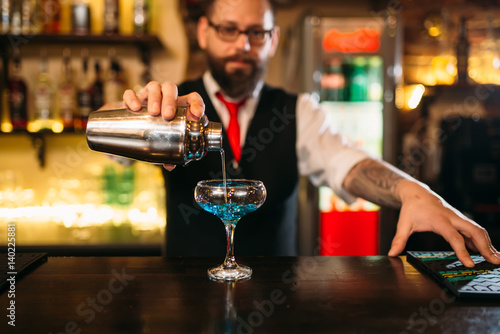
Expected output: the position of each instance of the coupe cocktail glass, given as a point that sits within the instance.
(230, 201)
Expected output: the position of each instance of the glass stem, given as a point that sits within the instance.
(229, 261)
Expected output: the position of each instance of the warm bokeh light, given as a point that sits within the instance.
(400, 97)
(98, 205)
(6, 127)
(408, 97)
(85, 215)
(416, 96)
(57, 127)
(483, 68)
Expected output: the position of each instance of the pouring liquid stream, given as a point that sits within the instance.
(223, 160)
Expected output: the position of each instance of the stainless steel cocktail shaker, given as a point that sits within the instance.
(140, 136)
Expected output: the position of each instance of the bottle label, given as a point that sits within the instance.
(18, 114)
(67, 103)
(43, 103)
(84, 104)
(17, 100)
(67, 100)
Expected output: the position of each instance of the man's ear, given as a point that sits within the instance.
(202, 31)
(274, 41)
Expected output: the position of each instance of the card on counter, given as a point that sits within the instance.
(481, 281)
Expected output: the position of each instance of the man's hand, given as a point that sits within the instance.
(162, 99)
(421, 210)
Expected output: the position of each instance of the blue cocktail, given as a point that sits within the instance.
(230, 200)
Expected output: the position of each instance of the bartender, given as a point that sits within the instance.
(275, 136)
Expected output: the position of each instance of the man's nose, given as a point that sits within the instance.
(243, 42)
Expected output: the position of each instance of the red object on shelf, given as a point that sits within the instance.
(349, 233)
(361, 40)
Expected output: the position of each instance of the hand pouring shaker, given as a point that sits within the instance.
(140, 136)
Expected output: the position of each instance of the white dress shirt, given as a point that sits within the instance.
(324, 156)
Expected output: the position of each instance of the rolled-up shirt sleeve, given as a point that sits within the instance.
(325, 156)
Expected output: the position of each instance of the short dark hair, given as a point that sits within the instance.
(208, 7)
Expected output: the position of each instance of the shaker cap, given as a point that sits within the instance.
(213, 136)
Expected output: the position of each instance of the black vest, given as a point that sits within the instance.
(268, 155)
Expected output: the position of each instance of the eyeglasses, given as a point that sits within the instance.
(230, 34)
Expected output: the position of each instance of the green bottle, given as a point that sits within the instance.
(359, 80)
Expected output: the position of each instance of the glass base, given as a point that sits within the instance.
(222, 273)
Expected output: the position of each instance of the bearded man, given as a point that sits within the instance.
(274, 137)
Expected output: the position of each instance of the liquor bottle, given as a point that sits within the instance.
(80, 18)
(109, 185)
(17, 93)
(337, 80)
(114, 86)
(97, 89)
(5, 124)
(141, 18)
(51, 11)
(27, 7)
(67, 93)
(45, 115)
(5, 16)
(16, 18)
(111, 17)
(37, 17)
(84, 97)
(463, 47)
(359, 81)
(96, 17)
(126, 18)
(375, 77)
(66, 23)
(125, 187)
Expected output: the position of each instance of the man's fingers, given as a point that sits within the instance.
(196, 106)
(478, 240)
(150, 94)
(491, 255)
(399, 241)
(153, 95)
(163, 99)
(131, 100)
(463, 255)
(398, 245)
(169, 100)
(456, 241)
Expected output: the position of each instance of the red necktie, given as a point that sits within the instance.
(233, 129)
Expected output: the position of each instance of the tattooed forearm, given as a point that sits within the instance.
(380, 176)
(375, 181)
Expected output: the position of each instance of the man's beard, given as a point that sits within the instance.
(239, 83)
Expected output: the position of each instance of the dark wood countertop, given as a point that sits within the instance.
(285, 295)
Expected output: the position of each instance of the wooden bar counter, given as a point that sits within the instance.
(285, 295)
